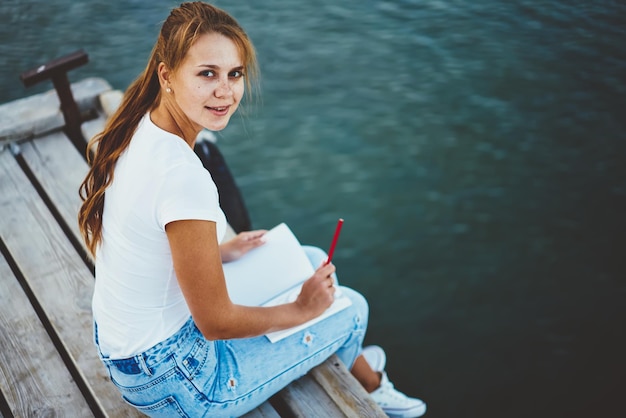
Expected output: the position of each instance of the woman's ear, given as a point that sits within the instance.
(164, 75)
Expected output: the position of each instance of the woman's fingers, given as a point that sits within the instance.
(241, 244)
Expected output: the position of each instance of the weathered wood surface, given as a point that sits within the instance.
(340, 386)
(34, 378)
(40, 114)
(49, 365)
(328, 390)
(266, 410)
(58, 169)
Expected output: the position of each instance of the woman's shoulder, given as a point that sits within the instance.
(160, 147)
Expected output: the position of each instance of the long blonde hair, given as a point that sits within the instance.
(178, 33)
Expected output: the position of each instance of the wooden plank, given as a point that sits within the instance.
(60, 169)
(33, 377)
(345, 390)
(266, 410)
(40, 114)
(94, 126)
(327, 390)
(305, 398)
(60, 281)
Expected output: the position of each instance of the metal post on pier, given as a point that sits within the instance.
(56, 70)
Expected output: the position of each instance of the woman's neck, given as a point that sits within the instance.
(175, 123)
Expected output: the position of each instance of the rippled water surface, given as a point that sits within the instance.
(475, 150)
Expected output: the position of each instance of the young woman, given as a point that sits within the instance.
(164, 324)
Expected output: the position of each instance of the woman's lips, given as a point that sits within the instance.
(219, 110)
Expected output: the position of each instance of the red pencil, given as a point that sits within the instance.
(333, 244)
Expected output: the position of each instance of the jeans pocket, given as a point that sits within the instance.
(195, 359)
(165, 408)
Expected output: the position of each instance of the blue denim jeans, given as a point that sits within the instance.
(189, 376)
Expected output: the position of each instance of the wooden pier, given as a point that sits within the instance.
(48, 361)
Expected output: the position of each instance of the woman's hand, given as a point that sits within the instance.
(241, 244)
(318, 292)
(197, 261)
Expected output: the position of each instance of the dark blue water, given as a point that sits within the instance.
(475, 149)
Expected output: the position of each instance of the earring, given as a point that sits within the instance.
(169, 90)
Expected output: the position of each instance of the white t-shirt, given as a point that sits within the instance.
(158, 179)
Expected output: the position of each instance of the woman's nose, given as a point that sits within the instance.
(223, 89)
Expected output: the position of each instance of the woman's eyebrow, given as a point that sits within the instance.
(217, 67)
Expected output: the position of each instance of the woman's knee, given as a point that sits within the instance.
(359, 305)
(315, 254)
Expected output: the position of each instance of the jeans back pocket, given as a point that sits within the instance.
(195, 360)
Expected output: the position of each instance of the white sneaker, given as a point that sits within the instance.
(375, 357)
(396, 404)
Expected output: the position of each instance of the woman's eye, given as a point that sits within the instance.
(236, 74)
(207, 73)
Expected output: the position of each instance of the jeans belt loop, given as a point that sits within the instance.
(143, 365)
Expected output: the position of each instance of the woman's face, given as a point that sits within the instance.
(209, 84)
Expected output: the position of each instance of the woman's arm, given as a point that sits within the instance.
(198, 265)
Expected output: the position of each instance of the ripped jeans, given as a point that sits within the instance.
(189, 376)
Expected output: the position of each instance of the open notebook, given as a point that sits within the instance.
(273, 274)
